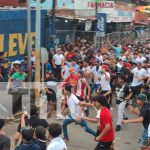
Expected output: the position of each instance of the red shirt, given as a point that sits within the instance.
(105, 118)
(72, 79)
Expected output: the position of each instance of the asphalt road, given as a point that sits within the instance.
(80, 140)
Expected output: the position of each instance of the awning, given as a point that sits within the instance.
(70, 14)
(76, 17)
(142, 23)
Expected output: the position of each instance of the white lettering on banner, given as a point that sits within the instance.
(100, 27)
(100, 24)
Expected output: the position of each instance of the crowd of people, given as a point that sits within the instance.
(118, 72)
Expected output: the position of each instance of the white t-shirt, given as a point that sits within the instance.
(138, 74)
(73, 104)
(66, 72)
(57, 144)
(141, 60)
(149, 131)
(148, 72)
(98, 114)
(88, 70)
(105, 84)
(97, 74)
(58, 59)
(33, 59)
(99, 58)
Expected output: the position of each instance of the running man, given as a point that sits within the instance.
(74, 107)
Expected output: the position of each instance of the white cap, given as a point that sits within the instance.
(17, 62)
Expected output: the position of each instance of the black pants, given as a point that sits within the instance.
(17, 102)
(136, 90)
(103, 146)
(58, 72)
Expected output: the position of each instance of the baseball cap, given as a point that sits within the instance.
(142, 97)
(72, 69)
(105, 67)
(127, 65)
(17, 62)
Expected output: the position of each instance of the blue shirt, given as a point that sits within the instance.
(76, 67)
(30, 146)
(48, 67)
(117, 51)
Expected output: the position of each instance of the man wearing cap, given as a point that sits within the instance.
(105, 87)
(58, 63)
(144, 117)
(73, 78)
(139, 75)
(14, 68)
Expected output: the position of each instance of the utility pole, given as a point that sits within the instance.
(52, 33)
(38, 51)
(29, 38)
(96, 11)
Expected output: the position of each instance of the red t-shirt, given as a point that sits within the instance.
(105, 118)
(73, 80)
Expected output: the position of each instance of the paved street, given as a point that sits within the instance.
(79, 140)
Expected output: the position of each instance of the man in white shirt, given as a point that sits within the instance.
(140, 58)
(139, 75)
(56, 142)
(65, 72)
(75, 112)
(99, 57)
(58, 63)
(96, 70)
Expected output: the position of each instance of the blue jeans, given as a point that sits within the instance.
(144, 137)
(82, 123)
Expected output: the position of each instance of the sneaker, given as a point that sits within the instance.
(60, 116)
(139, 140)
(66, 139)
(111, 109)
(118, 128)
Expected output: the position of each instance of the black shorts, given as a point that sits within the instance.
(51, 97)
(136, 90)
(103, 146)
